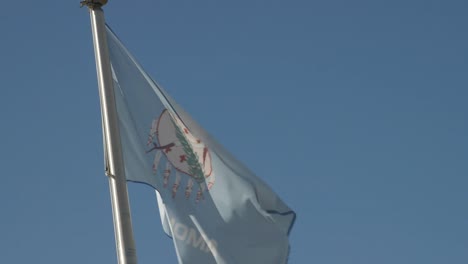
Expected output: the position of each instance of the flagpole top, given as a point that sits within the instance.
(93, 3)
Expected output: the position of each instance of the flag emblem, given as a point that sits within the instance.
(187, 157)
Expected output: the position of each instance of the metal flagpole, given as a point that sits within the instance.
(125, 245)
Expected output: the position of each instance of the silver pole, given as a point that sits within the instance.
(125, 245)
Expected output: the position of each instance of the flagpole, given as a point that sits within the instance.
(125, 245)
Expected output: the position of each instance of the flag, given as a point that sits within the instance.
(213, 207)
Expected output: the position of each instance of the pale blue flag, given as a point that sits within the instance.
(212, 206)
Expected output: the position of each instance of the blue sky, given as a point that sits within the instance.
(354, 112)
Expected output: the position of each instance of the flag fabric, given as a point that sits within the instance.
(213, 207)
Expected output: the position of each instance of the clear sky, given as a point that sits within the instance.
(354, 112)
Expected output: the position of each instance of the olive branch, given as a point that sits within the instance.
(192, 159)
